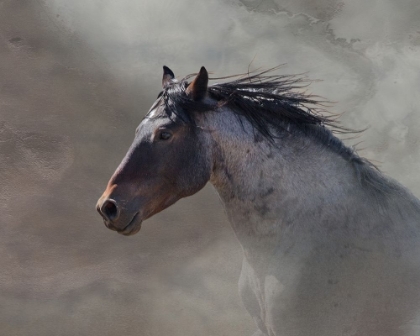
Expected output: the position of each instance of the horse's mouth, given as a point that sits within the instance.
(132, 228)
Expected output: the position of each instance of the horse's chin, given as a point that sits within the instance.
(133, 227)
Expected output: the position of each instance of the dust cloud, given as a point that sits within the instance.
(77, 76)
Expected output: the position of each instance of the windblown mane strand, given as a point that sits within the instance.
(272, 105)
(266, 101)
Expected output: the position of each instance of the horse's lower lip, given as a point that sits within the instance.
(132, 228)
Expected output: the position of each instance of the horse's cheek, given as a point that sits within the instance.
(198, 170)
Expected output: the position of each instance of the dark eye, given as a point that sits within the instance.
(164, 135)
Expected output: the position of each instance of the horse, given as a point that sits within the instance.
(331, 246)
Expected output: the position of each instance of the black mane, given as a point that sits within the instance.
(273, 105)
(266, 101)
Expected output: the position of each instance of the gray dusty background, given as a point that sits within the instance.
(77, 76)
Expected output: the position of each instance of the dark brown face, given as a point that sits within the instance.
(168, 160)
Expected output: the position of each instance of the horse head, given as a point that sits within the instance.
(168, 159)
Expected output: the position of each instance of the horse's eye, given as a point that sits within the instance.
(164, 135)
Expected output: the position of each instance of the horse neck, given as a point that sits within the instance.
(270, 188)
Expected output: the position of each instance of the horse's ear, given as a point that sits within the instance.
(168, 76)
(197, 89)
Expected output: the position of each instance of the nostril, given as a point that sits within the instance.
(110, 210)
